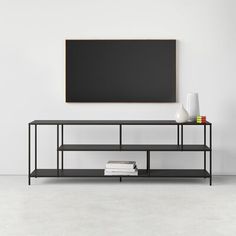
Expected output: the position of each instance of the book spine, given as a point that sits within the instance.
(121, 173)
(119, 170)
(120, 166)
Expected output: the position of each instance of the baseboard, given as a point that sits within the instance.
(224, 173)
(13, 173)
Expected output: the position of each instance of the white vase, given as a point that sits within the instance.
(193, 106)
(181, 115)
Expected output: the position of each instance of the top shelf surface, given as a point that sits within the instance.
(112, 122)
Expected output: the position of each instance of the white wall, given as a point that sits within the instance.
(32, 76)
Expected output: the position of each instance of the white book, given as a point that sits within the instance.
(116, 173)
(120, 170)
(120, 164)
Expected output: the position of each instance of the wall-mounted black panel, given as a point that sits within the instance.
(120, 70)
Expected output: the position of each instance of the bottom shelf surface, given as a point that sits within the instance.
(181, 173)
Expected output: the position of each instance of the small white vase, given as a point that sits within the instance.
(193, 106)
(181, 115)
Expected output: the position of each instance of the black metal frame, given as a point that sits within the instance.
(203, 173)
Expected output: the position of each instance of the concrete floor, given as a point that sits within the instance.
(106, 207)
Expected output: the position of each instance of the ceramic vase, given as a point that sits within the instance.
(193, 106)
(181, 115)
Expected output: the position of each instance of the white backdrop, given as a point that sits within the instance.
(32, 71)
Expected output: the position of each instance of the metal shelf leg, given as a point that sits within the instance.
(29, 137)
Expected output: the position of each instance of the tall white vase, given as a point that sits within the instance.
(193, 106)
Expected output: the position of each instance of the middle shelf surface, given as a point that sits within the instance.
(133, 147)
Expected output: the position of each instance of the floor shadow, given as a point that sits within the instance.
(115, 180)
(222, 180)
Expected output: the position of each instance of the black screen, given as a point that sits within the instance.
(120, 70)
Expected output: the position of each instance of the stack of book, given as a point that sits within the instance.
(121, 168)
(201, 119)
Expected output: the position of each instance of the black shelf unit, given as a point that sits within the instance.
(148, 172)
